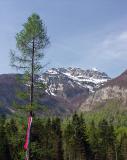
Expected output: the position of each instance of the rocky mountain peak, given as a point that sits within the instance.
(58, 79)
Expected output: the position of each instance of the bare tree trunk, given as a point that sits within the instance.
(32, 89)
(32, 77)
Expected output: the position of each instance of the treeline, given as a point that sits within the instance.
(70, 139)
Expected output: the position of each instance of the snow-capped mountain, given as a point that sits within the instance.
(66, 89)
(60, 79)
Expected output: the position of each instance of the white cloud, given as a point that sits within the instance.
(113, 46)
(123, 36)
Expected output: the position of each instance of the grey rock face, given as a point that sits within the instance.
(115, 89)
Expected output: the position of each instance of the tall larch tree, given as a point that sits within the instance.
(30, 42)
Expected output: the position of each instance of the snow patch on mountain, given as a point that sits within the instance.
(95, 69)
(86, 79)
(52, 71)
(59, 79)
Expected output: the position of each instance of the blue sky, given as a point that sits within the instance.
(83, 33)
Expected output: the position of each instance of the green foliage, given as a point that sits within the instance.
(30, 42)
(79, 137)
(34, 31)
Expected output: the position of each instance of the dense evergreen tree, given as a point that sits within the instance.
(68, 141)
(56, 126)
(107, 140)
(76, 140)
(123, 147)
(94, 140)
(4, 143)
